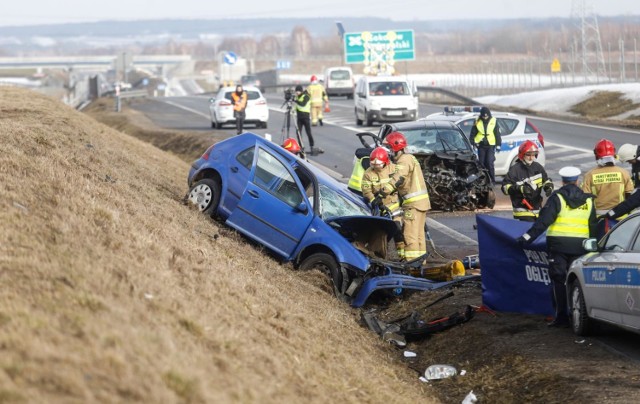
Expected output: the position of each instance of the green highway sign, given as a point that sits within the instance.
(379, 45)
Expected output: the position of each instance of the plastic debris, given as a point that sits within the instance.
(148, 296)
(580, 341)
(409, 354)
(470, 398)
(436, 372)
(463, 372)
(422, 379)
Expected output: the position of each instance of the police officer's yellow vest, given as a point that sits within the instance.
(571, 222)
(491, 137)
(303, 108)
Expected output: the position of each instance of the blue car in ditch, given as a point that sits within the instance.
(301, 214)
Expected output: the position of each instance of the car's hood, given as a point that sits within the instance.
(359, 225)
(464, 155)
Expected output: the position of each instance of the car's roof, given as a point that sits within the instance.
(459, 116)
(385, 78)
(233, 88)
(424, 122)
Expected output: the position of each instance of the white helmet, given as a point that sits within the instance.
(627, 152)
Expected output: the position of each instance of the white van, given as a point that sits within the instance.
(385, 99)
(339, 81)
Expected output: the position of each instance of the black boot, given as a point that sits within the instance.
(320, 120)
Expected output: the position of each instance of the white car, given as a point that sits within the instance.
(221, 109)
(515, 129)
(385, 99)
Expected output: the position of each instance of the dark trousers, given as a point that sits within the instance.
(558, 267)
(487, 155)
(240, 116)
(304, 121)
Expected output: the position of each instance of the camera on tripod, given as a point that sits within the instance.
(288, 94)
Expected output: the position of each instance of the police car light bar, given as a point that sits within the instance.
(456, 110)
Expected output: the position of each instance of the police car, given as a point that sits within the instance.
(604, 285)
(515, 130)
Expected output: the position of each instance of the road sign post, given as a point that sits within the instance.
(379, 50)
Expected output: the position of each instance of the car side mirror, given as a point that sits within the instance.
(302, 207)
(590, 244)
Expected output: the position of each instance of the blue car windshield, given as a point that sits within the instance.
(333, 204)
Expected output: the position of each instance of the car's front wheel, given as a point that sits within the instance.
(580, 321)
(328, 265)
(205, 195)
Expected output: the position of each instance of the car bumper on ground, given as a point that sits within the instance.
(398, 283)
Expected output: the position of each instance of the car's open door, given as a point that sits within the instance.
(273, 209)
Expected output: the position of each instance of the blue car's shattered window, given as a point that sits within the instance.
(333, 204)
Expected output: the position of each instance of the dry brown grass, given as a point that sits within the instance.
(604, 104)
(114, 291)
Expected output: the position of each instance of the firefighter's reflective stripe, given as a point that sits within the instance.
(355, 182)
(416, 196)
(571, 222)
(491, 137)
(522, 212)
(412, 254)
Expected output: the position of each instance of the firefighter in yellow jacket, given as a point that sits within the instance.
(413, 194)
(609, 183)
(318, 97)
(380, 192)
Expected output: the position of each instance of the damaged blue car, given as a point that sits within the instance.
(301, 214)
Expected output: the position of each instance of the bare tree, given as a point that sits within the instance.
(300, 44)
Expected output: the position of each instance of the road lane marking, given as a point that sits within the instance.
(186, 109)
(451, 233)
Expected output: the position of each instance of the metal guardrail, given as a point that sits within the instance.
(421, 89)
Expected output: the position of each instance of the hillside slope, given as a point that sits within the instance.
(113, 290)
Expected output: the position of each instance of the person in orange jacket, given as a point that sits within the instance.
(239, 101)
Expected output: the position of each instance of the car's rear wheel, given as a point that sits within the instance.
(205, 195)
(580, 321)
(328, 265)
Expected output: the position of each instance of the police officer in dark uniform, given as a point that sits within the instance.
(485, 136)
(569, 217)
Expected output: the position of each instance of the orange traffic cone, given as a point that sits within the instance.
(326, 108)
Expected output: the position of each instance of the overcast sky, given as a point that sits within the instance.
(32, 12)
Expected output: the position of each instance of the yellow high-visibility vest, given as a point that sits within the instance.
(571, 222)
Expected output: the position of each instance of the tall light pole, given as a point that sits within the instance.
(341, 35)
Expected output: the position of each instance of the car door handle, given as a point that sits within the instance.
(253, 193)
(234, 169)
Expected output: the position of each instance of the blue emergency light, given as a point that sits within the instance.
(450, 110)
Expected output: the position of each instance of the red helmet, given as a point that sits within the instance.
(379, 156)
(292, 145)
(528, 146)
(313, 79)
(604, 148)
(396, 141)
